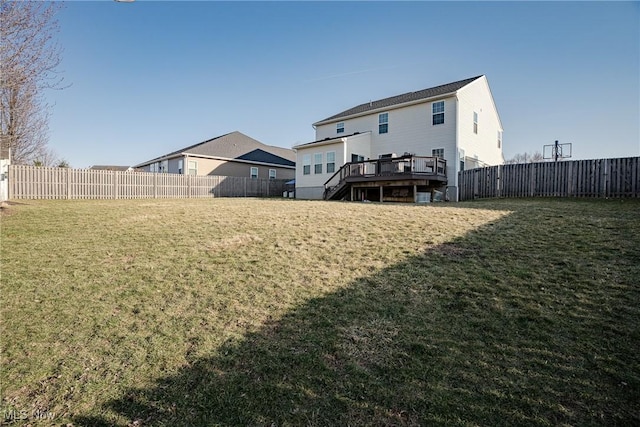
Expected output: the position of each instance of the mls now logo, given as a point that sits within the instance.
(13, 415)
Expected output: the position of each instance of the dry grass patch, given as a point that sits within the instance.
(256, 312)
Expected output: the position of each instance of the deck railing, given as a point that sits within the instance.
(395, 166)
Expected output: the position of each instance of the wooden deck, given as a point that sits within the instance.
(412, 173)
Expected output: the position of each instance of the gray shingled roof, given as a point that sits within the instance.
(110, 168)
(328, 140)
(401, 99)
(236, 145)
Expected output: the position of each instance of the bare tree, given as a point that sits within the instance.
(29, 57)
(525, 158)
(45, 156)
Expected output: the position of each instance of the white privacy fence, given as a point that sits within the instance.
(34, 182)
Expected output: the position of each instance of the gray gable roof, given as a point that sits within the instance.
(236, 145)
(401, 99)
(110, 168)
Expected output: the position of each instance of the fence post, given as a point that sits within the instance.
(10, 173)
(155, 185)
(68, 183)
(115, 184)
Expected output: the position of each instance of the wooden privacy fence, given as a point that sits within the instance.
(33, 182)
(577, 178)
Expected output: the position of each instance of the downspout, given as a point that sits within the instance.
(344, 149)
(456, 158)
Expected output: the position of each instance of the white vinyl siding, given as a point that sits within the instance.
(476, 97)
(311, 185)
(412, 133)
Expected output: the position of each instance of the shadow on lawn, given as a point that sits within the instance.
(478, 331)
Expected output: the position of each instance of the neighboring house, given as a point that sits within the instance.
(404, 147)
(111, 168)
(233, 154)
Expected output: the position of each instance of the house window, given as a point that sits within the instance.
(340, 127)
(438, 152)
(383, 123)
(317, 163)
(272, 174)
(331, 161)
(180, 165)
(357, 158)
(499, 139)
(475, 122)
(153, 167)
(437, 110)
(193, 167)
(254, 173)
(164, 166)
(306, 164)
(461, 154)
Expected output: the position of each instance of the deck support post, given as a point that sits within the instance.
(381, 194)
(351, 189)
(415, 193)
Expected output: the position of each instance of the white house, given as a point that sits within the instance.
(396, 148)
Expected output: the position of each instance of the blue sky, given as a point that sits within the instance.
(150, 77)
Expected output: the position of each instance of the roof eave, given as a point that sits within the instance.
(389, 107)
(329, 141)
(204, 156)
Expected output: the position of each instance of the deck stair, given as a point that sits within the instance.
(400, 169)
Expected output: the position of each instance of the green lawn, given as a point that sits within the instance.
(274, 312)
